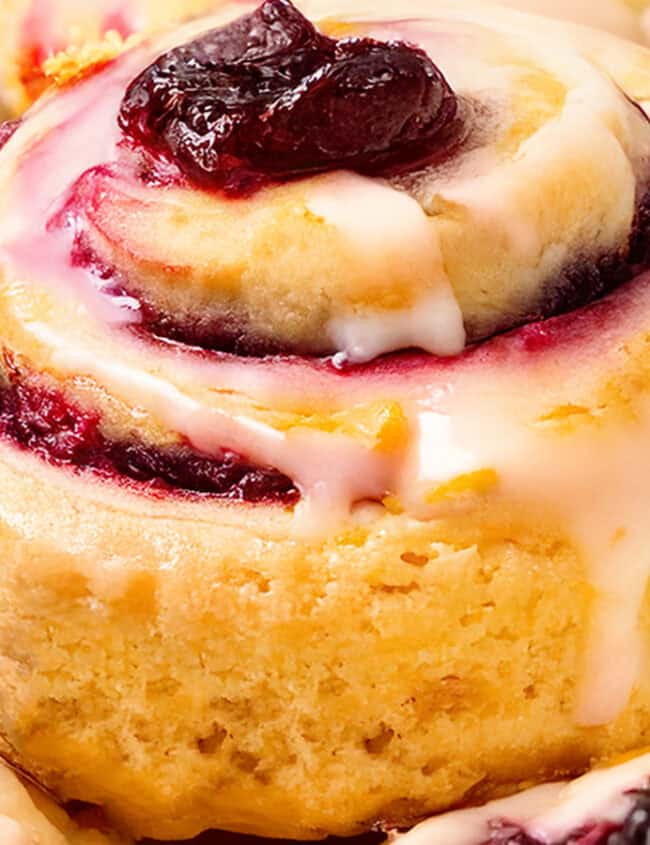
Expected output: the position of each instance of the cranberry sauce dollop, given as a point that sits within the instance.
(269, 98)
(41, 419)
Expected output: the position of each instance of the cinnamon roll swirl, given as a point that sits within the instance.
(324, 400)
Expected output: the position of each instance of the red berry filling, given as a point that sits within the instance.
(269, 98)
(43, 420)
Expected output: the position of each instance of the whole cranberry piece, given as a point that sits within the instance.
(268, 98)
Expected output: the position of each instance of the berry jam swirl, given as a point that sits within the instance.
(268, 97)
(43, 420)
(378, 200)
(258, 187)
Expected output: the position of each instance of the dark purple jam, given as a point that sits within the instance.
(269, 98)
(43, 420)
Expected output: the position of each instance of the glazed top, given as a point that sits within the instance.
(528, 201)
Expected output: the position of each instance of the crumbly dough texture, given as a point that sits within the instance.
(191, 664)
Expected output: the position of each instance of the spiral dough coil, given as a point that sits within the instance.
(324, 505)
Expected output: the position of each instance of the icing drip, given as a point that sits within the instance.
(378, 221)
(601, 502)
(331, 470)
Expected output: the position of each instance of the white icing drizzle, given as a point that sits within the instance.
(595, 482)
(331, 470)
(377, 219)
(378, 222)
(548, 813)
(434, 323)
